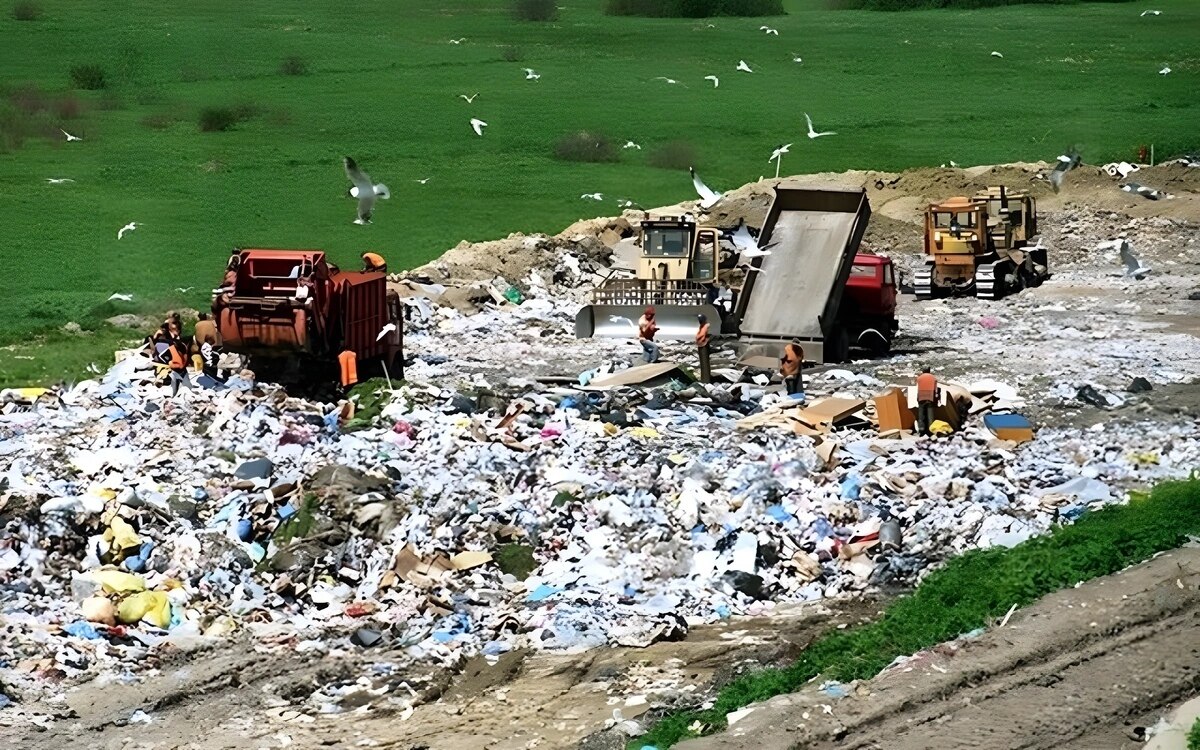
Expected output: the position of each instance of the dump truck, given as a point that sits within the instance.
(812, 285)
(981, 245)
(292, 312)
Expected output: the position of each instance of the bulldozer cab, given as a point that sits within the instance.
(1012, 217)
(955, 226)
(676, 249)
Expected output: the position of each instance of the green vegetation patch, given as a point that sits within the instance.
(516, 560)
(928, 4)
(970, 592)
(369, 397)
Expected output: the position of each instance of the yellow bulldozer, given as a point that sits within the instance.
(981, 245)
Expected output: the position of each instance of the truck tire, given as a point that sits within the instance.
(837, 346)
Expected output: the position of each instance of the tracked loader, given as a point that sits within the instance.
(982, 246)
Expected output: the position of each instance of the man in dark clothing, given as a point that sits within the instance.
(927, 399)
(702, 340)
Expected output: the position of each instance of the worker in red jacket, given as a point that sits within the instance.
(928, 396)
(791, 368)
(647, 327)
(702, 340)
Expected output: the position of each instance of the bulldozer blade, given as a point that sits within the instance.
(675, 322)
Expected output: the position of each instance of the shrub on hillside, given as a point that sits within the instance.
(214, 119)
(673, 155)
(68, 107)
(28, 99)
(293, 65)
(535, 10)
(585, 146)
(88, 76)
(512, 54)
(26, 11)
(693, 8)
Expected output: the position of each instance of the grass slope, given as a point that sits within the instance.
(901, 90)
(970, 592)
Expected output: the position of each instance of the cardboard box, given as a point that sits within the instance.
(891, 409)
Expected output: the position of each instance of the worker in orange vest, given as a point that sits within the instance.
(348, 361)
(374, 262)
(702, 340)
(791, 368)
(927, 399)
(178, 364)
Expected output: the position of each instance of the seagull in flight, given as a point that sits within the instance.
(671, 81)
(58, 180)
(422, 181)
(708, 196)
(742, 66)
(996, 54)
(385, 331)
(531, 74)
(127, 228)
(121, 297)
(1166, 69)
(458, 41)
(797, 58)
(70, 137)
(593, 196)
(716, 81)
(631, 144)
(812, 133)
(468, 99)
(746, 244)
(1151, 13)
(184, 290)
(364, 190)
(777, 157)
(768, 30)
(478, 125)
(1065, 164)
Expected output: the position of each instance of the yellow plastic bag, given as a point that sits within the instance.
(152, 606)
(120, 535)
(117, 582)
(938, 427)
(644, 432)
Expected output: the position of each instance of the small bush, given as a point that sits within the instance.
(68, 107)
(293, 65)
(26, 11)
(88, 76)
(585, 146)
(1193, 738)
(29, 99)
(535, 10)
(512, 54)
(158, 120)
(246, 111)
(693, 8)
(673, 155)
(213, 119)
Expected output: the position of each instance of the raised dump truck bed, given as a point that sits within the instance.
(813, 236)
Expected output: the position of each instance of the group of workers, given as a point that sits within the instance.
(791, 365)
(168, 347)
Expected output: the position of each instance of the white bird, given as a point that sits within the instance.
(747, 246)
(364, 190)
(1166, 69)
(812, 133)
(622, 319)
(743, 66)
(58, 180)
(753, 252)
(423, 181)
(385, 331)
(593, 196)
(626, 203)
(777, 157)
(458, 41)
(1133, 266)
(1065, 164)
(716, 81)
(468, 99)
(631, 144)
(797, 58)
(1151, 12)
(996, 54)
(708, 196)
(478, 125)
(531, 75)
(664, 78)
(127, 228)
(1142, 190)
(93, 368)
(769, 30)
(121, 297)
(184, 290)
(70, 137)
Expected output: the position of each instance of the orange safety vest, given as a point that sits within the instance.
(178, 361)
(374, 260)
(793, 356)
(927, 387)
(349, 364)
(702, 335)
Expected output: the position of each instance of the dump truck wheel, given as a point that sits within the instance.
(837, 346)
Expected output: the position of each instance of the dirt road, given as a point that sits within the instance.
(1081, 669)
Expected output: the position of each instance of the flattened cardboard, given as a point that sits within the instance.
(651, 374)
(825, 413)
(891, 409)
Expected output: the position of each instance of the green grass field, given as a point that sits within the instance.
(901, 90)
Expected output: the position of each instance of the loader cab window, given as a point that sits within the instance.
(945, 219)
(705, 264)
(669, 242)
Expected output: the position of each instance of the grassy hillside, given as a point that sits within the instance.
(383, 85)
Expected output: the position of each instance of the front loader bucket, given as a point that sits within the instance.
(675, 322)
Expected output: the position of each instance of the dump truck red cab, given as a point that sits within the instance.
(295, 309)
(868, 310)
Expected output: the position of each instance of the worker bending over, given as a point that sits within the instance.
(928, 396)
(646, 330)
(348, 364)
(702, 340)
(374, 262)
(791, 368)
